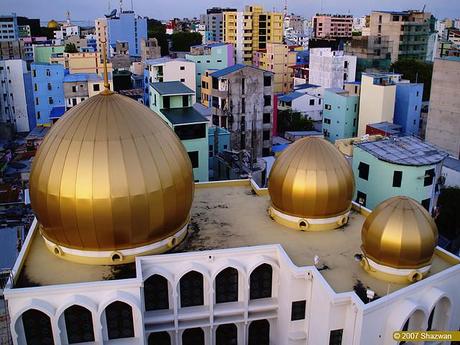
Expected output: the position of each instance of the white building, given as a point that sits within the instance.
(308, 105)
(65, 32)
(9, 29)
(258, 266)
(331, 69)
(16, 103)
(451, 172)
(167, 69)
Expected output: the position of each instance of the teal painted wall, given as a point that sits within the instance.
(201, 174)
(156, 103)
(43, 53)
(343, 116)
(379, 185)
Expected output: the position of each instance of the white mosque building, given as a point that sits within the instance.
(127, 249)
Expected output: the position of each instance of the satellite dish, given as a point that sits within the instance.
(112, 14)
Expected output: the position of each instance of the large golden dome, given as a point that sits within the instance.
(311, 179)
(52, 24)
(399, 233)
(111, 175)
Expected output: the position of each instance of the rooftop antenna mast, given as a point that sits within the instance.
(106, 90)
(108, 6)
(132, 5)
(121, 6)
(67, 15)
(285, 8)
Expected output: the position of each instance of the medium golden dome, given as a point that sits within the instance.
(111, 175)
(52, 24)
(311, 179)
(399, 233)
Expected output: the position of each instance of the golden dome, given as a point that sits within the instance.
(111, 175)
(311, 179)
(52, 24)
(399, 233)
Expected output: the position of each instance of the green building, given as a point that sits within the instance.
(42, 54)
(396, 166)
(340, 114)
(173, 102)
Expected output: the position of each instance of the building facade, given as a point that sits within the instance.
(242, 102)
(16, 103)
(390, 167)
(9, 29)
(210, 56)
(79, 87)
(309, 105)
(48, 86)
(150, 49)
(251, 30)
(332, 26)
(127, 28)
(173, 101)
(408, 107)
(377, 101)
(44, 53)
(100, 25)
(278, 59)
(443, 127)
(340, 114)
(214, 24)
(331, 69)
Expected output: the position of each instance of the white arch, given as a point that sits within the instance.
(275, 274)
(400, 314)
(229, 263)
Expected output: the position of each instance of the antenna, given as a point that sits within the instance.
(121, 6)
(132, 5)
(108, 6)
(285, 8)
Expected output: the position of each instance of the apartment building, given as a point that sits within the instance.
(213, 22)
(332, 26)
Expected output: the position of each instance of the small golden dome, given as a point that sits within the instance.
(52, 24)
(111, 175)
(311, 179)
(399, 233)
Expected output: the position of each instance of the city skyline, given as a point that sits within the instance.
(176, 8)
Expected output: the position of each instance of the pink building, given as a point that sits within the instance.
(332, 26)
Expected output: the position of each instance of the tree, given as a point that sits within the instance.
(70, 48)
(182, 41)
(155, 29)
(289, 120)
(448, 216)
(416, 71)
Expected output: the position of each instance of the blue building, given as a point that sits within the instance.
(48, 91)
(408, 105)
(127, 28)
(217, 145)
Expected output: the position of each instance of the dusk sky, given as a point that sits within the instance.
(164, 9)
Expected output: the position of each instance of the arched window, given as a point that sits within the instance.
(156, 293)
(227, 286)
(159, 338)
(259, 333)
(119, 317)
(191, 289)
(440, 315)
(37, 328)
(193, 336)
(78, 324)
(261, 282)
(227, 334)
(413, 322)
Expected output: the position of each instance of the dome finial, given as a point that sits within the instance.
(106, 73)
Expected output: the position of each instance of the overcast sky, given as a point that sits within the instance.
(164, 9)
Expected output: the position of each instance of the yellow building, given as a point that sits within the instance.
(206, 85)
(82, 62)
(278, 59)
(101, 32)
(252, 30)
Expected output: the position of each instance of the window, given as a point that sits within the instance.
(96, 87)
(363, 169)
(429, 176)
(37, 328)
(259, 333)
(191, 286)
(34, 73)
(36, 101)
(48, 72)
(267, 100)
(78, 324)
(159, 338)
(327, 107)
(327, 121)
(227, 286)
(298, 310)
(35, 87)
(215, 83)
(119, 319)
(267, 80)
(356, 107)
(335, 337)
(182, 68)
(193, 336)
(227, 334)
(156, 295)
(166, 102)
(194, 158)
(243, 86)
(397, 178)
(50, 100)
(185, 101)
(38, 115)
(243, 105)
(261, 282)
(361, 198)
(426, 203)
(74, 88)
(182, 80)
(312, 102)
(267, 118)
(266, 135)
(49, 87)
(187, 132)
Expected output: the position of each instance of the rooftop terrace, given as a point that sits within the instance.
(229, 215)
